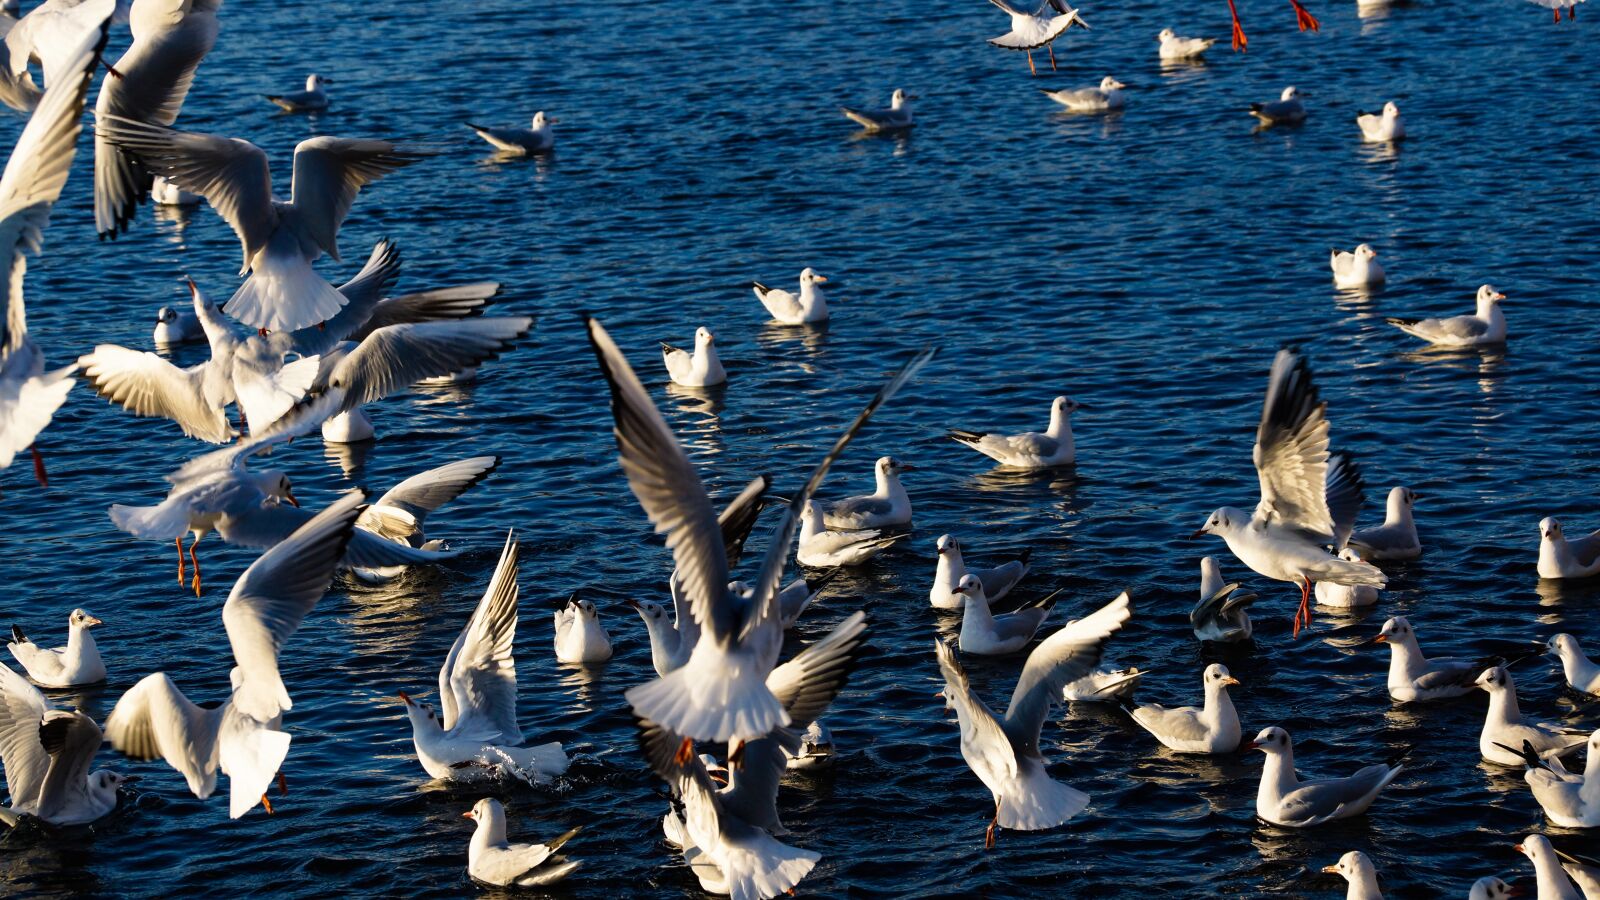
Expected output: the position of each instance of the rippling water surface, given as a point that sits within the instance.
(1147, 264)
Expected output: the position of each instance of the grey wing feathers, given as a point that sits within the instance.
(427, 491)
(738, 518)
(1070, 653)
(807, 684)
(1291, 449)
(1318, 800)
(478, 683)
(21, 708)
(71, 740)
(154, 720)
(459, 302)
(1345, 492)
(393, 358)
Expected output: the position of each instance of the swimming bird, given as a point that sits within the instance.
(311, 99)
(1104, 686)
(47, 753)
(495, 861)
(165, 193)
(1223, 612)
(1031, 450)
(1551, 880)
(243, 737)
(1414, 677)
(1283, 799)
(1490, 888)
(1397, 537)
(805, 308)
(1032, 29)
(1561, 557)
(888, 506)
(948, 571)
(1309, 497)
(580, 637)
(816, 748)
(1212, 728)
(1486, 326)
(1005, 753)
(478, 696)
(1569, 799)
(1358, 871)
(538, 137)
(795, 597)
(1302, 16)
(1174, 47)
(1107, 96)
(77, 663)
(820, 547)
(1288, 109)
(401, 513)
(895, 118)
(987, 634)
(1382, 126)
(280, 239)
(1347, 596)
(1505, 726)
(701, 368)
(1356, 268)
(175, 326)
(1580, 671)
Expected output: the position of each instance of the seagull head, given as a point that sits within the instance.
(1402, 499)
(166, 315)
(1218, 678)
(1270, 740)
(1363, 251)
(1495, 679)
(1166, 34)
(809, 275)
(1066, 406)
(1492, 888)
(1560, 644)
(703, 337)
(1395, 631)
(1550, 529)
(1108, 84)
(1222, 522)
(275, 484)
(1487, 294)
(1535, 847)
(648, 610)
(541, 121)
(1354, 866)
(1390, 110)
(420, 715)
(947, 544)
(970, 587)
(315, 82)
(888, 465)
(1290, 93)
(105, 781)
(899, 98)
(80, 618)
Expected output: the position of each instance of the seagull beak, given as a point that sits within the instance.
(91, 621)
(819, 278)
(405, 698)
(289, 496)
(1199, 532)
(1330, 870)
(906, 467)
(1499, 296)
(1519, 849)
(632, 603)
(1381, 639)
(1230, 680)
(194, 289)
(1252, 746)
(552, 120)
(468, 815)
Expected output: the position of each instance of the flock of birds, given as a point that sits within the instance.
(315, 355)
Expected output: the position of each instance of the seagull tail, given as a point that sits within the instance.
(1025, 555)
(17, 636)
(708, 701)
(759, 288)
(284, 294)
(165, 521)
(1039, 801)
(967, 437)
(816, 584)
(766, 867)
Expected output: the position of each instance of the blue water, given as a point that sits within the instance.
(1148, 264)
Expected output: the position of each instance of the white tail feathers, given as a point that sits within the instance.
(1039, 801)
(166, 521)
(764, 867)
(722, 704)
(283, 295)
(252, 762)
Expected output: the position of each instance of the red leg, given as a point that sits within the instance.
(1032, 71)
(38, 466)
(994, 824)
(266, 804)
(283, 785)
(1302, 616)
(1304, 18)
(1240, 42)
(179, 542)
(194, 561)
(1557, 11)
(1052, 50)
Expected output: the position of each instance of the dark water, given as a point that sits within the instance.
(1148, 264)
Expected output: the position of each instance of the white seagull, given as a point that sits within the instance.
(805, 308)
(1490, 888)
(1550, 879)
(1347, 596)
(986, 634)
(1175, 47)
(1288, 109)
(75, 664)
(175, 326)
(701, 368)
(1397, 537)
(1212, 728)
(1105, 97)
(888, 506)
(495, 861)
(580, 638)
(1504, 725)
(1223, 612)
(895, 118)
(1030, 450)
(1381, 127)
(538, 137)
(311, 99)
(1358, 871)
(1563, 557)
(1283, 799)
(47, 753)
(1414, 677)
(1580, 671)
(1356, 268)
(1031, 28)
(1569, 799)
(947, 573)
(821, 547)
(400, 514)
(1487, 326)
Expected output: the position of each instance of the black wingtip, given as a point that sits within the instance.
(821, 581)
(966, 437)
(1401, 323)
(1025, 555)
(17, 635)
(1399, 757)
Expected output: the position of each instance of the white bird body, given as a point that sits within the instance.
(313, 98)
(538, 137)
(1580, 671)
(1212, 728)
(1563, 557)
(1377, 128)
(77, 663)
(47, 754)
(1031, 30)
(494, 860)
(1030, 450)
(399, 516)
(1396, 538)
(1487, 326)
(820, 547)
(997, 581)
(805, 308)
(165, 193)
(1103, 686)
(1347, 596)
(986, 634)
(1223, 611)
(895, 118)
(580, 637)
(888, 506)
(701, 368)
(1288, 109)
(1359, 874)
(1104, 97)
(1505, 724)
(176, 326)
(1283, 799)
(1356, 268)
(1175, 47)
(1569, 799)
(1551, 881)
(1414, 677)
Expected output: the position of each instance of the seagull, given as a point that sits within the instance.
(1031, 30)
(495, 861)
(821, 548)
(174, 326)
(1356, 268)
(170, 39)
(580, 638)
(1302, 16)
(1104, 98)
(478, 693)
(1309, 497)
(888, 506)
(997, 582)
(1380, 127)
(1560, 557)
(1358, 871)
(1351, 596)
(1414, 677)
(280, 239)
(1005, 753)
(1286, 110)
(895, 118)
(1580, 671)
(243, 736)
(51, 34)
(29, 188)
(1569, 799)
(1551, 880)
(538, 137)
(795, 597)
(1174, 47)
(1104, 686)
(47, 753)
(312, 99)
(1223, 613)
(399, 515)
(701, 368)
(805, 308)
(986, 634)
(1031, 450)
(816, 748)
(720, 692)
(1485, 327)
(1504, 725)
(1396, 538)
(1490, 888)
(75, 664)
(1212, 728)
(1584, 872)
(165, 193)
(1284, 799)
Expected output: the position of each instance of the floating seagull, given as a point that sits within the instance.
(1347, 596)
(1356, 268)
(399, 515)
(1308, 497)
(1396, 538)
(1505, 726)
(495, 861)
(1104, 98)
(47, 753)
(986, 634)
(701, 368)
(539, 137)
(888, 506)
(1560, 557)
(34, 176)
(1286, 110)
(1030, 450)
(281, 239)
(311, 99)
(1551, 880)
(1223, 613)
(1358, 871)
(805, 308)
(1104, 686)
(1032, 30)
(580, 638)
(175, 326)
(1006, 754)
(1414, 677)
(895, 118)
(1383, 126)
(1212, 728)
(75, 664)
(816, 748)
(51, 34)
(1284, 799)
(820, 547)
(1302, 17)
(795, 598)
(165, 193)
(1486, 326)
(1174, 47)
(243, 736)
(997, 581)
(478, 695)
(1491, 888)
(1569, 799)
(1580, 671)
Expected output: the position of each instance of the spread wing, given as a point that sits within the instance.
(363, 294)
(1062, 658)
(478, 683)
(1291, 451)
(147, 385)
(71, 740)
(1346, 492)
(427, 491)
(980, 731)
(21, 709)
(458, 302)
(155, 720)
(328, 173)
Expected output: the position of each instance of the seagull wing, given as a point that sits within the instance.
(459, 302)
(1291, 451)
(328, 173)
(363, 294)
(478, 684)
(155, 720)
(71, 740)
(1063, 657)
(425, 492)
(980, 732)
(394, 358)
(147, 385)
(21, 709)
